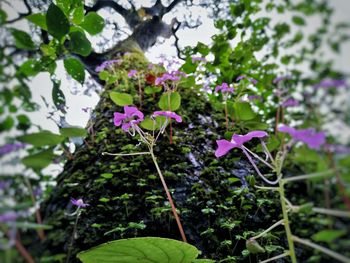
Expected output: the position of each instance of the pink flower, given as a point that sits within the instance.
(130, 117)
(132, 73)
(78, 202)
(237, 141)
(253, 81)
(290, 102)
(309, 136)
(107, 64)
(168, 114)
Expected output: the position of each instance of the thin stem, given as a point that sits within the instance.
(324, 250)
(285, 254)
(226, 115)
(267, 151)
(125, 154)
(269, 229)
(258, 171)
(140, 91)
(23, 251)
(331, 212)
(308, 176)
(72, 239)
(173, 208)
(286, 223)
(267, 188)
(258, 157)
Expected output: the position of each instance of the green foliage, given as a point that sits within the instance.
(56, 21)
(73, 132)
(121, 99)
(23, 40)
(144, 249)
(57, 95)
(43, 138)
(170, 101)
(38, 19)
(328, 235)
(75, 68)
(93, 23)
(79, 44)
(39, 160)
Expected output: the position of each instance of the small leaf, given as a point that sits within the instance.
(121, 99)
(79, 44)
(170, 101)
(75, 69)
(93, 23)
(78, 15)
(38, 19)
(243, 111)
(7, 124)
(328, 235)
(28, 225)
(57, 22)
(57, 95)
(22, 39)
(150, 124)
(107, 175)
(73, 132)
(31, 67)
(145, 249)
(39, 160)
(41, 138)
(298, 20)
(3, 16)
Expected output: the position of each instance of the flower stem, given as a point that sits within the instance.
(307, 176)
(285, 254)
(269, 229)
(226, 115)
(324, 250)
(125, 154)
(70, 246)
(286, 222)
(173, 208)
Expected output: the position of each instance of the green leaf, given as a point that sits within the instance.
(107, 175)
(328, 235)
(78, 15)
(39, 160)
(150, 124)
(42, 138)
(243, 111)
(7, 124)
(170, 101)
(145, 249)
(79, 44)
(73, 132)
(121, 99)
(298, 20)
(31, 67)
(28, 225)
(22, 40)
(93, 23)
(57, 95)
(3, 16)
(75, 68)
(57, 22)
(38, 19)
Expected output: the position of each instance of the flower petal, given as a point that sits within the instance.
(224, 147)
(118, 118)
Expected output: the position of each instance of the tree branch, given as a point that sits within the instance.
(174, 30)
(172, 5)
(21, 15)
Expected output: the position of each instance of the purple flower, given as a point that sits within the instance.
(255, 97)
(331, 83)
(224, 88)
(280, 78)
(168, 114)
(237, 141)
(130, 117)
(107, 64)
(290, 102)
(166, 76)
(11, 147)
(9, 216)
(4, 184)
(253, 81)
(309, 136)
(195, 58)
(78, 202)
(132, 73)
(339, 149)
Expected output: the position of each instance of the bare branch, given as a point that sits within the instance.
(178, 50)
(21, 15)
(172, 5)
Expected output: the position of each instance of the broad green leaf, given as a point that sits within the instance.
(243, 111)
(57, 95)
(7, 124)
(42, 138)
(328, 235)
(152, 90)
(121, 99)
(93, 23)
(298, 20)
(79, 44)
(142, 250)
(73, 132)
(31, 67)
(56, 21)
(22, 39)
(3, 16)
(153, 124)
(75, 68)
(38, 19)
(170, 101)
(39, 160)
